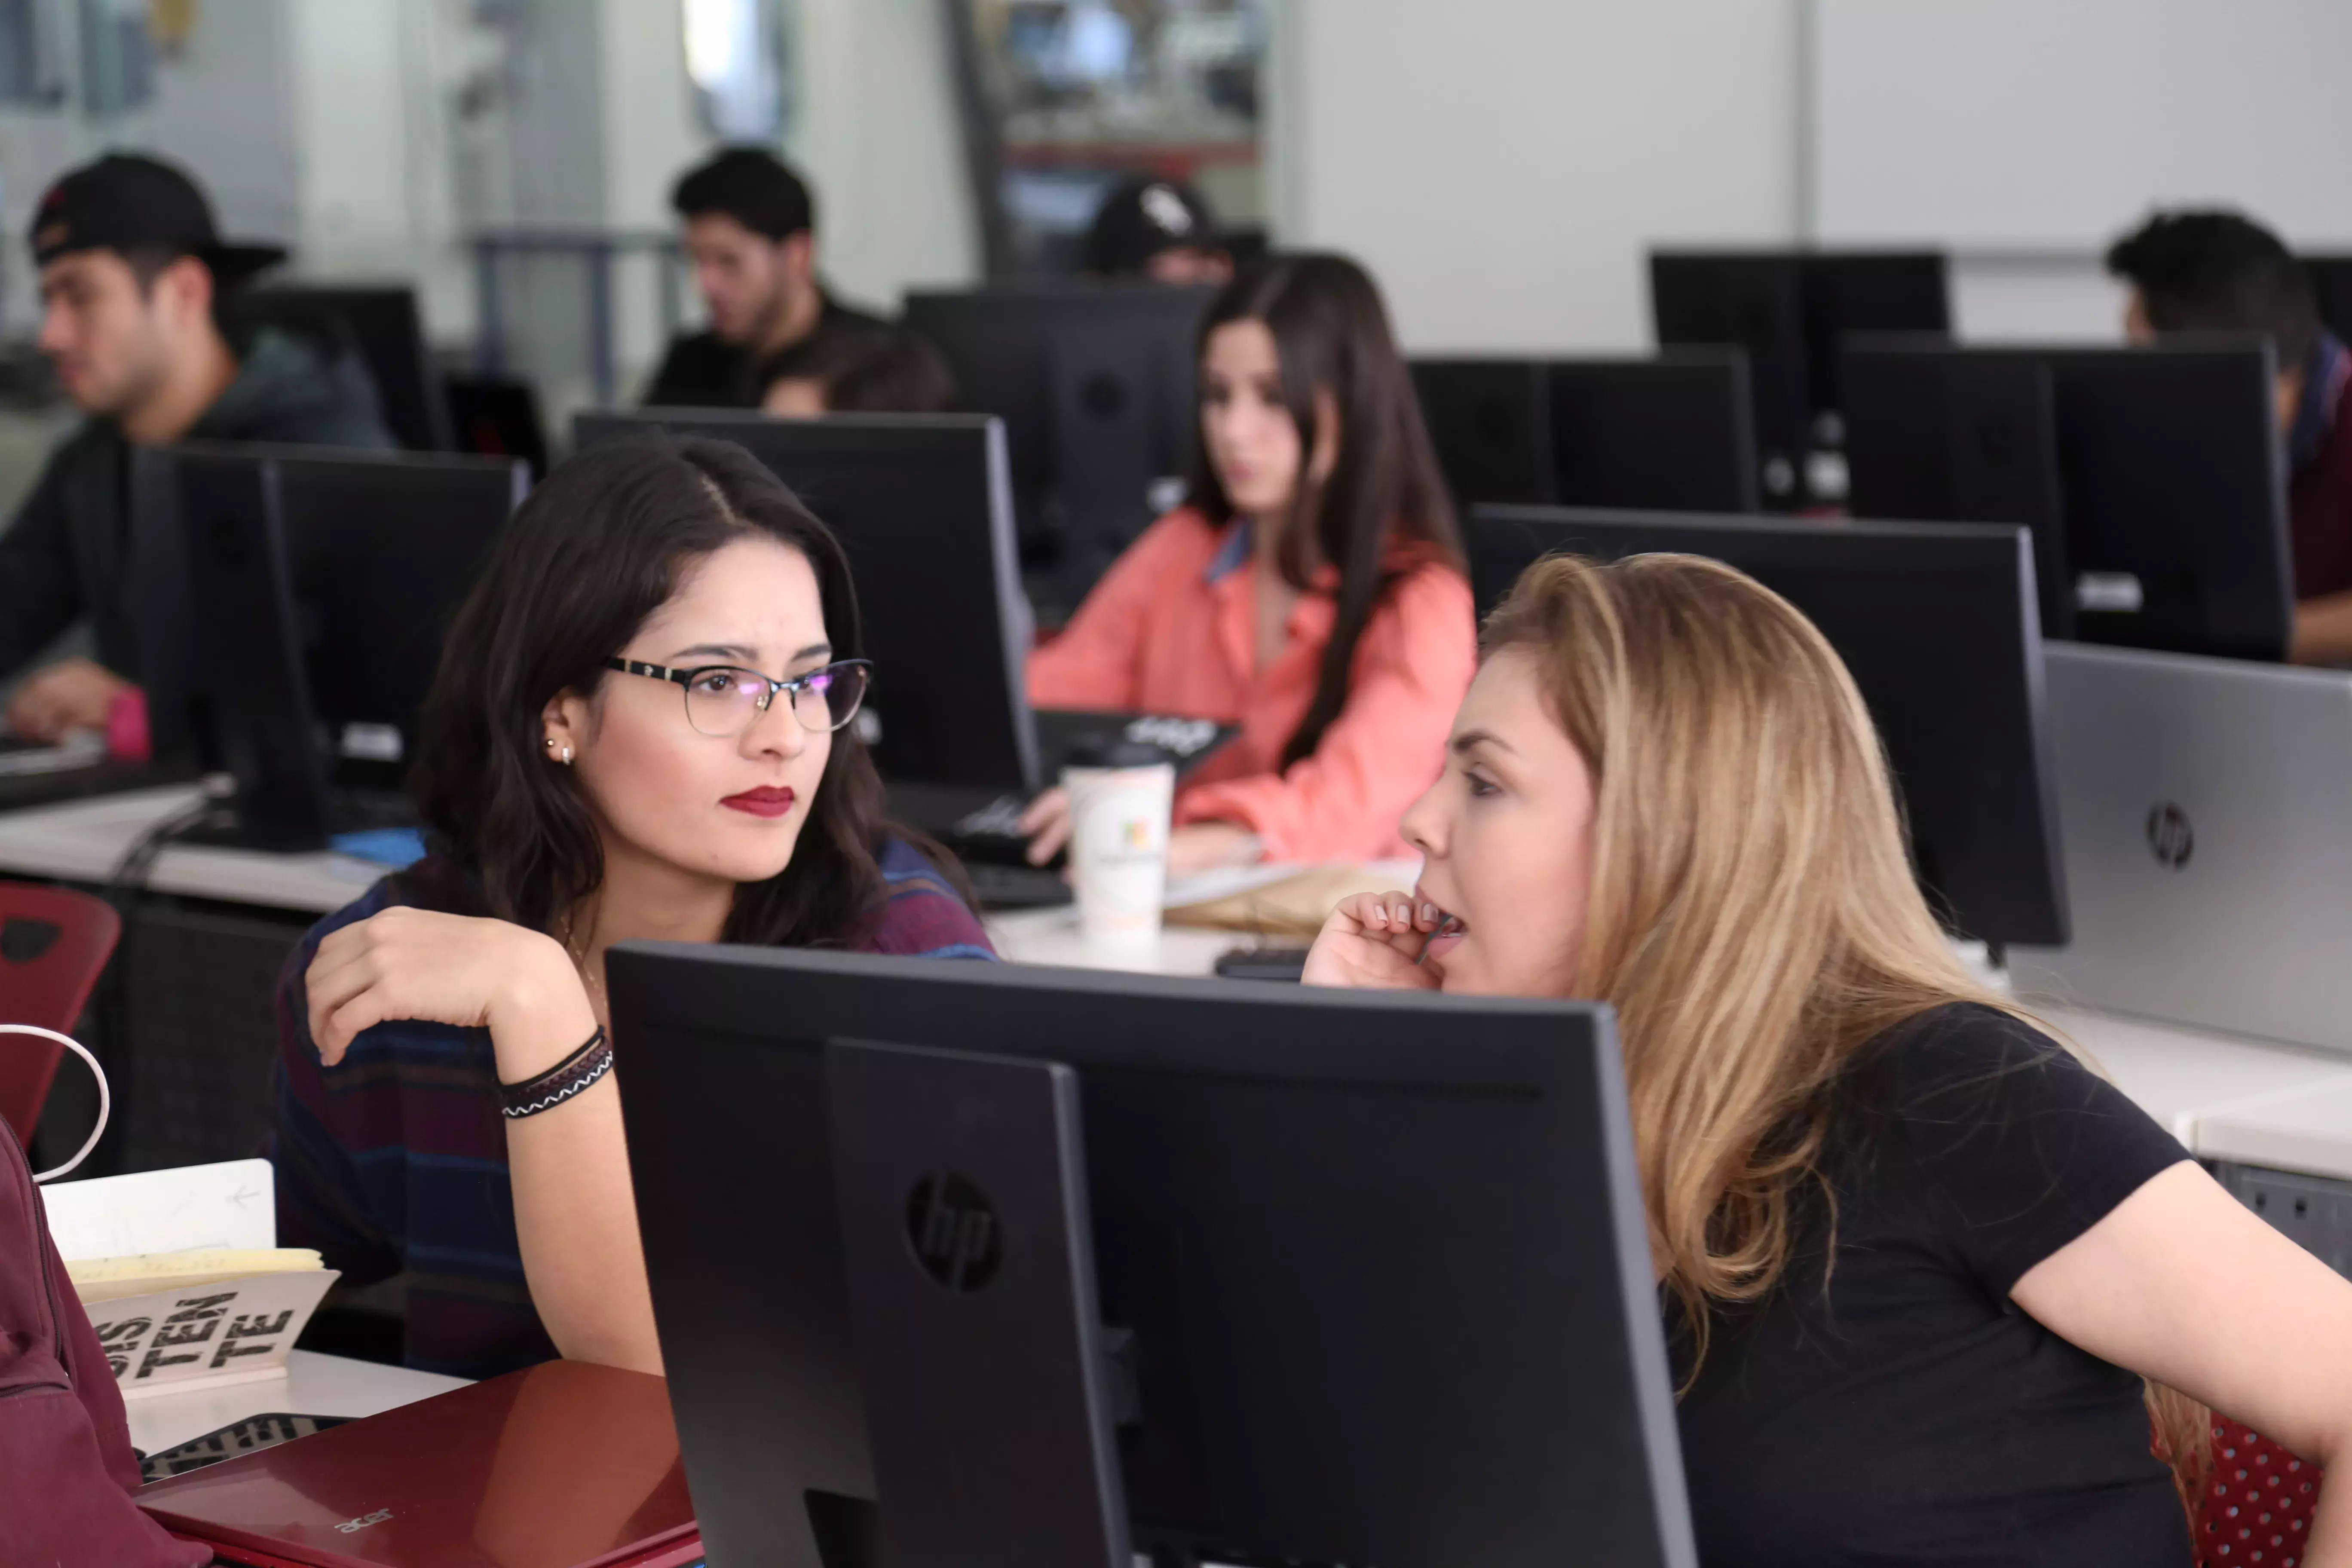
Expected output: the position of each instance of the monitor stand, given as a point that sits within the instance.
(967, 1247)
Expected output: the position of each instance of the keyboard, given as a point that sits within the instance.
(1001, 886)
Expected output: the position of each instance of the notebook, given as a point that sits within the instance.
(563, 1464)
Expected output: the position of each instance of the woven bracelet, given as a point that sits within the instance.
(578, 1072)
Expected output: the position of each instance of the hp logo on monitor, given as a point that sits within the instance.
(2169, 837)
(954, 1233)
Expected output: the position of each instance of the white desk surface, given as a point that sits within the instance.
(313, 1384)
(82, 841)
(2227, 1098)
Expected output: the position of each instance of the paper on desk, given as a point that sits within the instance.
(233, 1331)
(229, 1205)
(1292, 906)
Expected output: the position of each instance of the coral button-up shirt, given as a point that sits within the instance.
(1172, 628)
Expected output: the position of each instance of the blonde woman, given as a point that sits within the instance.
(1917, 1260)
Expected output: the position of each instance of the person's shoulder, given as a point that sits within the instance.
(1950, 1060)
(837, 314)
(923, 915)
(1424, 577)
(691, 348)
(1186, 535)
(89, 443)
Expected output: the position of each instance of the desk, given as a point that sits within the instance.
(313, 1384)
(83, 840)
(2255, 1102)
(1052, 937)
(2251, 1101)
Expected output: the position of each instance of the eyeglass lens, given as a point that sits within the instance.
(724, 702)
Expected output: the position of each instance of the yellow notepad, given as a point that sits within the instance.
(106, 1279)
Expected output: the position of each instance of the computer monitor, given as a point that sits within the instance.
(1372, 1268)
(248, 650)
(1937, 624)
(498, 416)
(1096, 385)
(921, 505)
(1788, 309)
(1673, 432)
(383, 548)
(382, 321)
(2170, 484)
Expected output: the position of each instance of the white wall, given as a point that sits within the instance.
(371, 84)
(1503, 165)
(879, 139)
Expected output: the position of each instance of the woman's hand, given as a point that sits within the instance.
(438, 969)
(1372, 943)
(1202, 846)
(1046, 825)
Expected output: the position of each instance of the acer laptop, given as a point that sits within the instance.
(564, 1465)
(2207, 843)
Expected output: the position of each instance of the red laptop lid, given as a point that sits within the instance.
(562, 1466)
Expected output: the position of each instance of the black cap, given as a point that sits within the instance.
(125, 202)
(1141, 218)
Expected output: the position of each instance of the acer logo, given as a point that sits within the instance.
(353, 1526)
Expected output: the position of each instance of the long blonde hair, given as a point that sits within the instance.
(1752, 915)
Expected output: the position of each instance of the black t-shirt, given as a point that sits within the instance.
(704, 371)
(1913, 1414)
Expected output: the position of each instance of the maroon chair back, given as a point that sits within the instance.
(2258, 1503)
(53, 944)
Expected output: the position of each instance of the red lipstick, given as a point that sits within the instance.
(765, 801)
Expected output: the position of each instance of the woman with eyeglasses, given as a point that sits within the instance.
(640, 729)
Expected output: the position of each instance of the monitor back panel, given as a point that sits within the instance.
(1343, 1255)
(1936, 624)
(2207, 843)
(921, 506)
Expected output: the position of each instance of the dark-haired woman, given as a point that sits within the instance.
(640, 729)
(1311, 590)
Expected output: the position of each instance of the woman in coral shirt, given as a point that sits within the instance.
(1310, 590)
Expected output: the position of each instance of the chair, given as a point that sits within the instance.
(53, 944)
(2258, 1502)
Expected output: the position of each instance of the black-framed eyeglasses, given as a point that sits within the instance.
(722, 700)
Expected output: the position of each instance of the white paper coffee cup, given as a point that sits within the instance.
(1118, 849)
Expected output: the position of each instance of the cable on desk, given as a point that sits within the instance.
(129, 878)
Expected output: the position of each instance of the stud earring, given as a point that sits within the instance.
(566, 754)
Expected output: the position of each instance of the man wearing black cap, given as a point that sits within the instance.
(1158, 229)
(131, 269)
(751, 232)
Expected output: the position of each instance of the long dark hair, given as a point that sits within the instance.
(1331, 333)
(601, 544)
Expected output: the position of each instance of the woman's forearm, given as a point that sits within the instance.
(575, 1212)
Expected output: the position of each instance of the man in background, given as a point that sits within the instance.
(131, 270)
(2220, 272)
(750, 232)
(1160, 230)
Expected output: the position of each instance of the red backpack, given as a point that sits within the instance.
(67, 1467)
